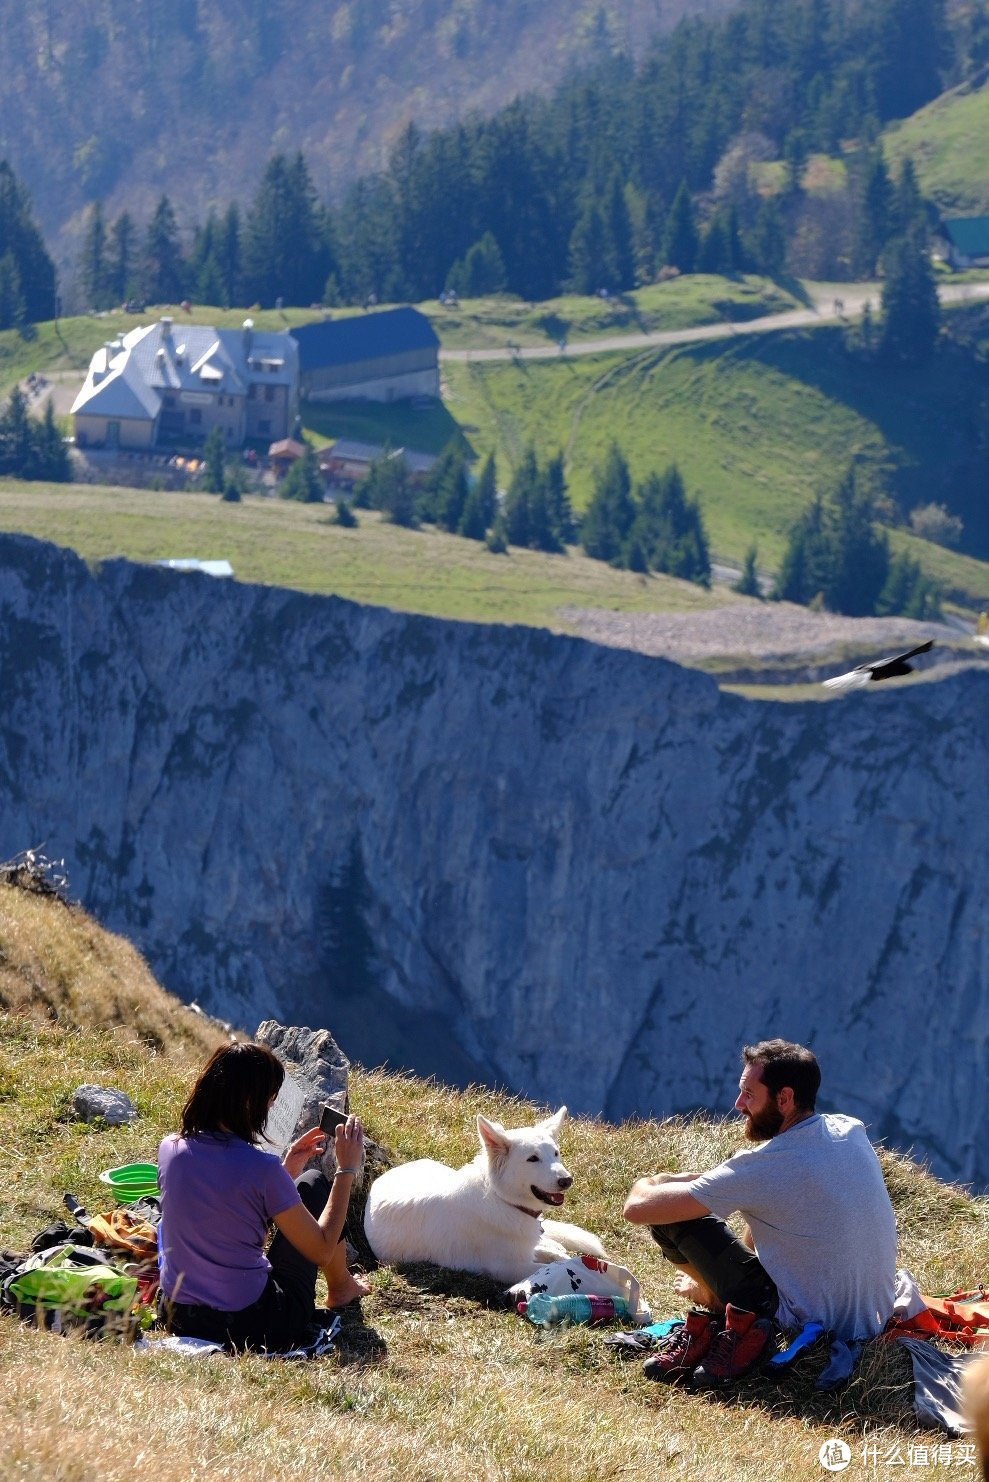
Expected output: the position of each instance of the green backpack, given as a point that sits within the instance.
(72, 1286)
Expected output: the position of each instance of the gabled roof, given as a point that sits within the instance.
(968, 234)
(363, 337)
(129, 377)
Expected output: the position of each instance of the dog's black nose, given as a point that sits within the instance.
(564, 1183)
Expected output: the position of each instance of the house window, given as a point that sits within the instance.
(264, 428)
(269, 393)
(195, 417)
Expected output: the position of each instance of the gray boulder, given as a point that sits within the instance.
(115, 1107)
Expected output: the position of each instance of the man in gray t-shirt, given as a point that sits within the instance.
(820, 1243)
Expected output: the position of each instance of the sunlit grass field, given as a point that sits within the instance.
(429, 1380)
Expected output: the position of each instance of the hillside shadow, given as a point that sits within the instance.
(919, 419)
(426, 427)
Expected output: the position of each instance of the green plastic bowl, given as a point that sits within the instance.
(133, 1181)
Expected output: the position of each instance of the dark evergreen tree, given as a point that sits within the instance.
(285, 242)
(611, 510)
(389, 489)
(482, 503)
(94, 267)
(17, 441)
(668, 531)
(908, 592)
(214, 458)
(680, 243)
(909, 209)
(559, 511)
(590, 258)
(51, 456)
(304, 482)
(874, 216)
(29, 291)
(836, 555)
(748, 581)
(480, 272)
(13, 310)
(765, 245)
(519, 499)
(163, 267)
(121, 248)
(911, 313)
(859, 563)
(618, 226)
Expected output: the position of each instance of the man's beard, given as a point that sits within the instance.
(761, 1126)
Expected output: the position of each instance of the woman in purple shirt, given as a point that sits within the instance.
(220, 1195)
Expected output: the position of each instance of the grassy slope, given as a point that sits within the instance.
(758, 424)
(463, 1391)
(294, 545)
(947, 142)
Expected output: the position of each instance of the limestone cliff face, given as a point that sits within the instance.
(491, 852)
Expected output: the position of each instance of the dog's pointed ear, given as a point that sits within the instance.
(494, 1138)
(555, 1122)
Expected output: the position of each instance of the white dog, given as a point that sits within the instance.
(486, 1217)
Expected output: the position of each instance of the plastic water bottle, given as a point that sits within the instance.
(575, 1307)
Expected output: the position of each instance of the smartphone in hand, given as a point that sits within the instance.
(330, 1119)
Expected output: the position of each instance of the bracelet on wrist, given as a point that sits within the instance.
(353, 1171)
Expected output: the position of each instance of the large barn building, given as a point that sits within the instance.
(390, 355)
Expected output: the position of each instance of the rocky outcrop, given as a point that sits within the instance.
(495, 853)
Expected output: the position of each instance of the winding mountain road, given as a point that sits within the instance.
(838, 304)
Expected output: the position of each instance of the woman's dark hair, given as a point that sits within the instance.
(786, 1064)
(233, 1092)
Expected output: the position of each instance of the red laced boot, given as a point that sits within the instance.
(743, 1344)
(683, 1349)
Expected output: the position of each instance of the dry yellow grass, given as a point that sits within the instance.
(460, 1390)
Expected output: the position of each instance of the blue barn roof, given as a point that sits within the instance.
(363, 337)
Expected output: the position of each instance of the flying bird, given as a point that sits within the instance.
(880, 669)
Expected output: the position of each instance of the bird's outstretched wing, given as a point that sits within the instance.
(879, 669)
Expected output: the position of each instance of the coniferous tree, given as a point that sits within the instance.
(13, 310)
(517, 512)
(348, 946)
(748, 581)
(29, 290)
(480, 272)
(482, 503)
(163, 268)
(304, 482)
(121, 243)
(94, 267)
(836, 555)
(51, 458)
(588, 258)
(214, 457)
(875, 213)
(668, 531)
(285, 243)
(610, 511)
(911, 313)
(680, 242)
(389, 489)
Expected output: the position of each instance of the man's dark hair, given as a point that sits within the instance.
(233, 1092)
(785, 1064)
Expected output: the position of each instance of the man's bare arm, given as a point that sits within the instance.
(661, 1199)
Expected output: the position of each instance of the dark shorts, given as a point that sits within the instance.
(732, 1271)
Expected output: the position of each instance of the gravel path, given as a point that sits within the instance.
(767, 632)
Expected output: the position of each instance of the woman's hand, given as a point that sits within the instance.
(348, 1143)
(309, 1145)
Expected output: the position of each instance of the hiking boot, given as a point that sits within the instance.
(743, 1345)
(679, 1353)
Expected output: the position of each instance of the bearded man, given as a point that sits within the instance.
(820, 1237)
